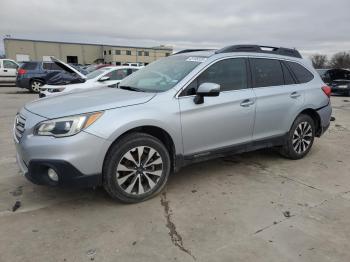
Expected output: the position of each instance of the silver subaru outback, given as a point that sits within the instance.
(191, 106)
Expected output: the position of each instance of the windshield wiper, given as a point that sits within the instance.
(131, 88)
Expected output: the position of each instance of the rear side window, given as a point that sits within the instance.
(288, 78)
(267, 72)
(29, 66)
(301, 73)
(47, 66)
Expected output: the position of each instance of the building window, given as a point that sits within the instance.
(128, 52)
(167, 54)
(110, 52)
(139, 53)
(105, 52)
(117, 52)
(146, 53)
(117, 63)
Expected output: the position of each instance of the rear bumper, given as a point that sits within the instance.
(325, 114)
(344, 89)
(23, 83)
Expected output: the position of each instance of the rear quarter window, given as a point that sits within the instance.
(301, 73)
(29, 66)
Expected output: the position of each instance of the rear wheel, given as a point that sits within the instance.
(35, 86)
(300, 138)
(136, 168)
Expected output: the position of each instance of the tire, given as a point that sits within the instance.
(34, 86)
(299, 139)
(129, 181)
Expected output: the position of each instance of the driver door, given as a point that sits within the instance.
(223, 121)
(8, 71)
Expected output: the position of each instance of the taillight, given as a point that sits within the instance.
(22, 71)
(327, 90)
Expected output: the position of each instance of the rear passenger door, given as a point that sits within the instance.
(221, 121)
(278, 97)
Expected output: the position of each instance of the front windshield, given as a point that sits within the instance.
(160, 75)
(96, 73)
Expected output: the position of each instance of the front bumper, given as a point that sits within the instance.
(77, 159)
(68, 175)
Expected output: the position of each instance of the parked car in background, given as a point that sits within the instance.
(31, 75)
(80, 68)
(94, 67)
(181, 109)
(337, 79)
(103, 77)
(8, 71)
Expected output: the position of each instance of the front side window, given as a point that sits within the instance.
(160, 75)
(230, 74)
(10, 64)
(266, 72)
(301, 73)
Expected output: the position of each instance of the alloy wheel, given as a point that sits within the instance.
(302, 137)
(36, 86)
(139, 170)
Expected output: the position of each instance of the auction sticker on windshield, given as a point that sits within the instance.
(196, 59)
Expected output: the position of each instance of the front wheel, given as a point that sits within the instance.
(35, 86)
(300, 138)
(136, 168)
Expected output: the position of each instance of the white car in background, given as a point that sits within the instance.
(108, 76)
(8, 71)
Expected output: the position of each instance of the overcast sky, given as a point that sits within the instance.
(310, 26)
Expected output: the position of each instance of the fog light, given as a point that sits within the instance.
(52, 174)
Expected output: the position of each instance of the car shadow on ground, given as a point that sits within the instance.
(32, 197)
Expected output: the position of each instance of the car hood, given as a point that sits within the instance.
(73, 103)
(67, 67)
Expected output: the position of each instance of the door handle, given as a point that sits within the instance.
(294, 95)
(247, 102)
(5, 70)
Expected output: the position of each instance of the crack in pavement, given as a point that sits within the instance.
(299, 182)
(302, 211)
(176, 238)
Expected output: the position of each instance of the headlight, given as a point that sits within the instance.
(66, 126)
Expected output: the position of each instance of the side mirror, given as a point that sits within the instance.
(104, 78)
(206, 89)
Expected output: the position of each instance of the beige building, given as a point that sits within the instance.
(81, 53)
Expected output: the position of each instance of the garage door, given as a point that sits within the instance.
(22, 58)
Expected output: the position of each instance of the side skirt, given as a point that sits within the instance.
(182, 160)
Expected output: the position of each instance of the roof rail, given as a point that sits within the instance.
(191, 50)
(260, 49)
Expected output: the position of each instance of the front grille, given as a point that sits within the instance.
(20, 122)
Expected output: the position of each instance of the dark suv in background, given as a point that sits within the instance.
(337, 79)
(31, 75)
